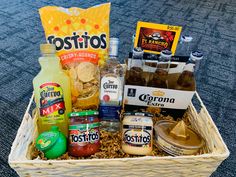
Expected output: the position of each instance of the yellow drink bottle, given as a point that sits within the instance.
(52, 92)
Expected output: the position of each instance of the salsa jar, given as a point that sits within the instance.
(84, 136)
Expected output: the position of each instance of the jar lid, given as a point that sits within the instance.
(83, 113)
(146, 114)
(47, 139)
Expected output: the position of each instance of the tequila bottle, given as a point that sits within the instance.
(111, 89)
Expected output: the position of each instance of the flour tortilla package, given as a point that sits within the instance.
(81, 37)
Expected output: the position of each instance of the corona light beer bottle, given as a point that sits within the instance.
(52, 92)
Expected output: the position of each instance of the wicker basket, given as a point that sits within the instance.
(199, 165)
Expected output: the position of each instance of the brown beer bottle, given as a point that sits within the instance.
(135, 74)
(186, 80)
(159, 77)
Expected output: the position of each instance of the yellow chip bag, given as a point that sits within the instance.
(79, 34)
(81, 37)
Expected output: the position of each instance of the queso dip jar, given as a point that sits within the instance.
(137, 133)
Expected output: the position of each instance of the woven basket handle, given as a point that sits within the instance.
(34, 110)
(197, 102)
(24, 136)
(200, 100)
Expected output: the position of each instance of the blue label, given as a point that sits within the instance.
(109, 113)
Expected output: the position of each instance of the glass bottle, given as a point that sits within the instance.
(196, 57)
(135, 74)
(184, 46)
(159, 77)
(52, 92)
(111, 89)
(186, 80)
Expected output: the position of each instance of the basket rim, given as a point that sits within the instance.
(208, 155)
(222, 155)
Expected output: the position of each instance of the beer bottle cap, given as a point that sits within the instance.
(186, 38)
(48, 48)
(196, 55)
(138, 53)
(166, 53)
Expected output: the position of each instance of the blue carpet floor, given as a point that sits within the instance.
(212, 23)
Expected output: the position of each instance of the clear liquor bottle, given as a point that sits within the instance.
(111, 89)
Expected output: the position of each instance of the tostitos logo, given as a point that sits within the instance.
(76, 41)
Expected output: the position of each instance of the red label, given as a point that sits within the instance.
(49, 84)
(52, 108)
(52, 105)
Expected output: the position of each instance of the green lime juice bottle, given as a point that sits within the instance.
(52, 92)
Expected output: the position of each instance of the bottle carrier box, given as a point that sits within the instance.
(214, 152)
(172, 101)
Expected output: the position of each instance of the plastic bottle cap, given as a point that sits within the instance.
(196, 55)
(186, 38)
(48, 48)
(166, 53)
(47, 139)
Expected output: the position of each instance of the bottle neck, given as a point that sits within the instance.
(164, 58)
(189, 67)
(50, 62)
(48, 55)
(113, 47)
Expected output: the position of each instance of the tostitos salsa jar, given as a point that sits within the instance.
(84, 136)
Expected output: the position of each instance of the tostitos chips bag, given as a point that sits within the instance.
(81, 37)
